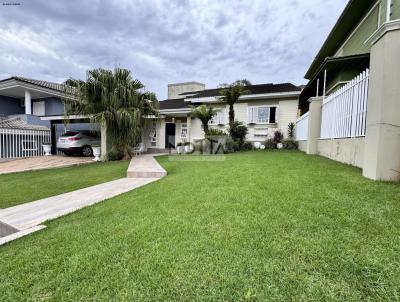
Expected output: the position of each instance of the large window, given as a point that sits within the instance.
(262, 115)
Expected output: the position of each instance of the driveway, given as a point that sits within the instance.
(43, 162)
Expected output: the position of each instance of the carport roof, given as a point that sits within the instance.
(18, 123)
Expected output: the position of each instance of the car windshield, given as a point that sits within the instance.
(69, 133)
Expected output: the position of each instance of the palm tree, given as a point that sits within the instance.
(231, 94)
(204, 113)
(116, 100)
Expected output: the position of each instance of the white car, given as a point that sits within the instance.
(78, 142)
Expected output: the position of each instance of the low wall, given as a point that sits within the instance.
(345, 150)
(303, 146)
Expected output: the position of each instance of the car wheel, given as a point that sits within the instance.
(87, 151)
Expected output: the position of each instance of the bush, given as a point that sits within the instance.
(291, 128)
(115, 155)
(247, 146)
(230, 145)
(270, 144)
(278, 137)
(215, 132)
(289, 144)
(238, 132)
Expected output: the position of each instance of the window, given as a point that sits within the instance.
(38, 108)
(219, 118)
(261, 115)
(184, 130)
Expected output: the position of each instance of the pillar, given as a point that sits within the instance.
(314, 125)
(28, 102)
(382, 139)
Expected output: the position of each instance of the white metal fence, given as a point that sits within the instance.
(15, 143)
(344, 111)
(302, 128)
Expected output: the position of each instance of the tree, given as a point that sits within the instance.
(116, 100)
(204, 113)
(231, 95)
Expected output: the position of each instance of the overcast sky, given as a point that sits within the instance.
(163, 42)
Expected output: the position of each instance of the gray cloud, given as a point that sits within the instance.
(165, 41)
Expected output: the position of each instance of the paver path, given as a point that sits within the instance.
(28, 217)
(41, 162)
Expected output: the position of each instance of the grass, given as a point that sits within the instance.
(17, 188)
(260, 226)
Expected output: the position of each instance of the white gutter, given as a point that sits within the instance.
(216, 99)
(64, 117)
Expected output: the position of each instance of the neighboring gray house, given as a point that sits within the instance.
(32, 113)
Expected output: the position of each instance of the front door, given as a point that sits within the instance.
(169, 135)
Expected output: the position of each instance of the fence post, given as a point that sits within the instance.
(314, 125)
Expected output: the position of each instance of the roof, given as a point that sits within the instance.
(18, 123)
(348, 20)
(254, 89)
(173, 104)
(44, 84)
(333, 65)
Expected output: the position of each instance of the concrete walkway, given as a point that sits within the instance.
(41, 162)
(28, 218)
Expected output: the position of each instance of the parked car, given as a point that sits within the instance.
(78, 142)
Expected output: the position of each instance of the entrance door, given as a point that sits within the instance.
(169, 135)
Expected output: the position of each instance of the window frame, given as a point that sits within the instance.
(255, 120)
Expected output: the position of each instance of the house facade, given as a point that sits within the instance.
(264, 110)
(351, 104)
(32, 113)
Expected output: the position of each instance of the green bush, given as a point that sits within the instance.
(115, 155)
(230, 145)
(215, 132)
(291, 128)
(289, 144)
(278, 137)
(270, 144)
(238, 132)
(247, 146)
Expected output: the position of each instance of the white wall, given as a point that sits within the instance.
(345, 150)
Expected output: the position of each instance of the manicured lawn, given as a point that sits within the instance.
(259, 226)
(17, 188)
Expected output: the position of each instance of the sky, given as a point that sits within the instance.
(163, 42)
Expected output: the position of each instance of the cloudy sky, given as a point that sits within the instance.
(163, 42)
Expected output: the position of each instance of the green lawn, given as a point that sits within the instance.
(17, 188)
(259, 226)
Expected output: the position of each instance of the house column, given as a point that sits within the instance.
(314, 125)
(382, 140)
(188, 121)
(28, 102)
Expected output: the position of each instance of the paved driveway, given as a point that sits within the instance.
(43, 162)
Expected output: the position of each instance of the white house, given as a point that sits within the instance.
(267, 108)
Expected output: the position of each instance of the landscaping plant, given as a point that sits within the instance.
(238, 132)
(230, 94)
(204, 113)
(114, 99)
(291, 132)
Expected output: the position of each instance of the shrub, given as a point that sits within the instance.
(247, 146)
(290, 144)
(215, 132)
(115, 155)
(291, 127)
(230, 145)
(278, 137)
(238, 132)
(270, 144)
